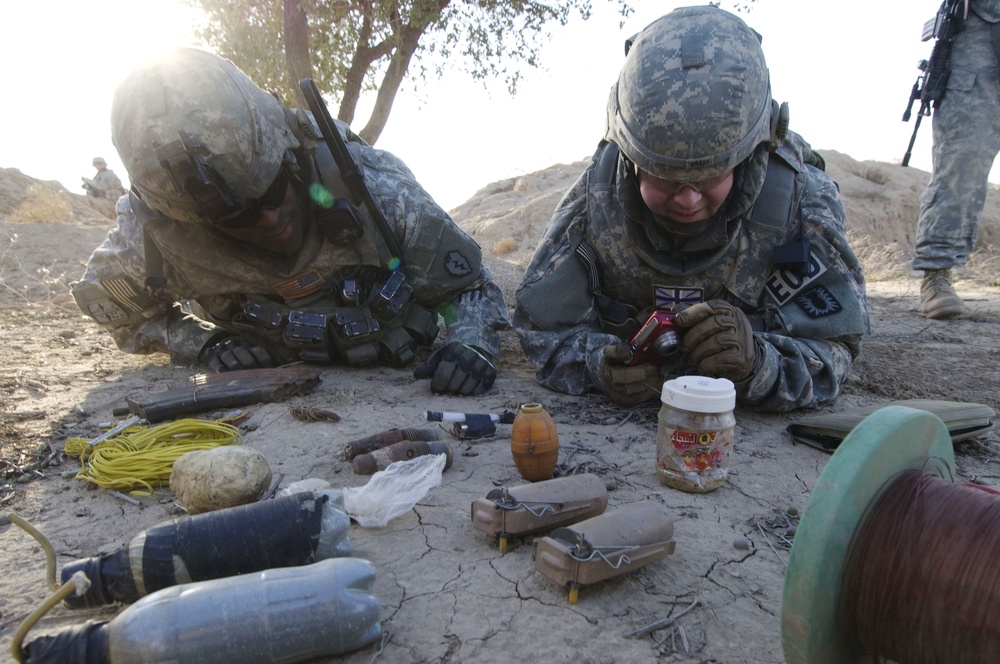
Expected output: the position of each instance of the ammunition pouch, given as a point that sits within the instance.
(353, 324)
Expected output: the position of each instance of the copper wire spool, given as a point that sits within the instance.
(891, 559)
(922, 583)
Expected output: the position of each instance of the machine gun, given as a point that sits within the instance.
(349, 170)
(929, 88)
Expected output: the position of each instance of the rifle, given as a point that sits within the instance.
(349, 170)
(932, 80)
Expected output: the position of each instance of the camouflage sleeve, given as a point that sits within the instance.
(443, 262)
(111, 292)
(554, 314)
(817, 324)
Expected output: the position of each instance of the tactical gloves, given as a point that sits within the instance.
(233, 354)
(718, 340)
(457, 369)
(628, 386)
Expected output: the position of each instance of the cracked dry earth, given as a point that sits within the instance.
(447, 593)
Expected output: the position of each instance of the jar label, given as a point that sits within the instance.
(697, 451)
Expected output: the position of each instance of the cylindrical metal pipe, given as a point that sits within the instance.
(377, 441)
(368, 464)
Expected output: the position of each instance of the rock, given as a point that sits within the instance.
(230, 475)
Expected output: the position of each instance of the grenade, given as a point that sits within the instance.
(284, 532)
(368, 464)
(534, 443)
(290, 614)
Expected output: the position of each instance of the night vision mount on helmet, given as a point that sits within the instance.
(693, 99)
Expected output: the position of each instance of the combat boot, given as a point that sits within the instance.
(937, 296)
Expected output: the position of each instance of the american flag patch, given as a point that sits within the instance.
(300, 285)
(124, 291)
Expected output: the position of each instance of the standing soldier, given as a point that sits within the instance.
(966, 129)
(105, 187)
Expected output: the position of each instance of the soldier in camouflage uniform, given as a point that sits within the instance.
(239, 212)
(104, 184)
(966, 127)
(698, 185)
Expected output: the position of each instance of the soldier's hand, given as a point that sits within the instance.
(457, 368)
(234, 353)
(718, 340)
(628, 385)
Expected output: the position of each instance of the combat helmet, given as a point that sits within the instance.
(200, 141)
(693, 98)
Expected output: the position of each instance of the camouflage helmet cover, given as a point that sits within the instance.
(98, 160)
(191, 114)
(693, 98)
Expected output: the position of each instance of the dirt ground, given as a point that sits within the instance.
(447, 593)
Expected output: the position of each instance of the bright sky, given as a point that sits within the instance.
(844, 66)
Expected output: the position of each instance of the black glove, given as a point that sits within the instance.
(233, 354)
(457, 369)
(718, 340)
(628, 386)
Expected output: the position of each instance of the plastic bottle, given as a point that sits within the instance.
(695, 433)
(286, 615)
(534, 442)
(283, 532)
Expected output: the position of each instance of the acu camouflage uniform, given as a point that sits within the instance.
(105, 184)
(810, 327)
(966, 129)
(218, 277)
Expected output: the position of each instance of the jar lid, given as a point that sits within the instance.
(700, 394)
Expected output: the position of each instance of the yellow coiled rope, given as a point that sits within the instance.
(144, 456)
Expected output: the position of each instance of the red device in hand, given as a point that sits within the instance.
(657, 340)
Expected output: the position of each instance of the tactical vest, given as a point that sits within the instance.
(358, 315)
(771, 218)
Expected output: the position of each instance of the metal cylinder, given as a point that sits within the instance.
(377, 441)
(368, 464)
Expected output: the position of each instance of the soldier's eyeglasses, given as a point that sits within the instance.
(672, 187)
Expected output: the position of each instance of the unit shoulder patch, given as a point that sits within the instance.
(818, 302)
(456, 264)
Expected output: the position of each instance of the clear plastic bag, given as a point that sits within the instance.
(393, 491)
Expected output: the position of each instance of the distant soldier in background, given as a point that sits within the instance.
(698, 187)
(104, 189)
(966, 129)
(104, 184)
